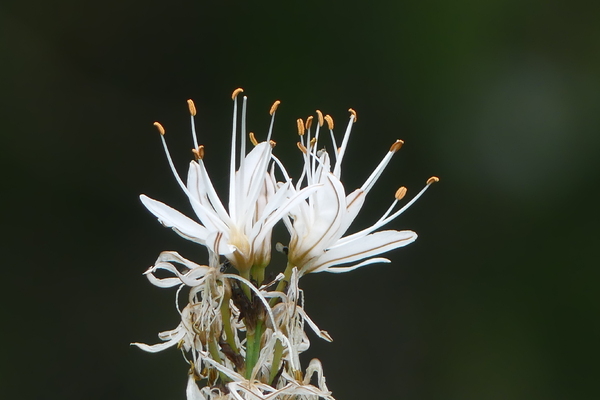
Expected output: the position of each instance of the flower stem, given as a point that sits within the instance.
(253, 347)
(258, 273)
(226, 314)
(246, 289)
(277, 353)
(213, 348)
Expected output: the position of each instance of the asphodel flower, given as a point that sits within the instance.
(255, 204)
(242, 335)
(317, 225)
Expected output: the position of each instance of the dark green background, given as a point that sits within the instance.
(497, 299)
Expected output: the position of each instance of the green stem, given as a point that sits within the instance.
(226, 313)
(277, 353)
(213, 348)
(253, 347)
(245, 288)
(258, 273)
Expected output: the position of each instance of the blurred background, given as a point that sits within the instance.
(498, 297)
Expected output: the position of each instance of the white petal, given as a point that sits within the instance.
(201, 188)
(179, 333)
(255, 166)
(164, 262)
(323, 224)
(339, 270)
(368, 246)
(191, 391)
(172, 218)
(282, 207)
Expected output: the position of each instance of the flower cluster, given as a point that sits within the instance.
(242, 334)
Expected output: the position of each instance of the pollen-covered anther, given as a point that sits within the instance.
(353, 113)
(274, 107)
(400, 193)
(199, 152)
(236, 92)
(253, 138)
(312, 142)
(329, 121)
(272, 143)
(309, 120)
(301, 147)
(160, 128)
(320, 116)
(433, 179)
(192, 107)
(300, 126)
(396, 146)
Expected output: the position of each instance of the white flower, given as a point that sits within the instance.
(317, 225)
(243, 335)
(255, 204)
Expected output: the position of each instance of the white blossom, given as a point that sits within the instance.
(318, 224)
(254, 207)
(241, 334)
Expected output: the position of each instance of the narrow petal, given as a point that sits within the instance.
(255, 166)
(177, 335)
(329, 205)
(339, 270)
(200, 186)
(368, 246)
(175, 220)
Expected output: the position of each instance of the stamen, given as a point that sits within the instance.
(208, 215)
(320, 115)
(396, 146)
(236, 92)
(192, 107)
(433, 179)
(353, 113)
(272, 113)
(312, 142)
(199, 152)
(400, 193)
(272, 143)
(337, 170)
(382, 165)
(309, 122)
(301, 147)
(329, 121)
(160, 128)
(385, 218)
(253, 138)
(300, 124)
(274, 107)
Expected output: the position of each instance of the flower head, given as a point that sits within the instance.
(255, 203)
(318, 224)
(243, 334)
